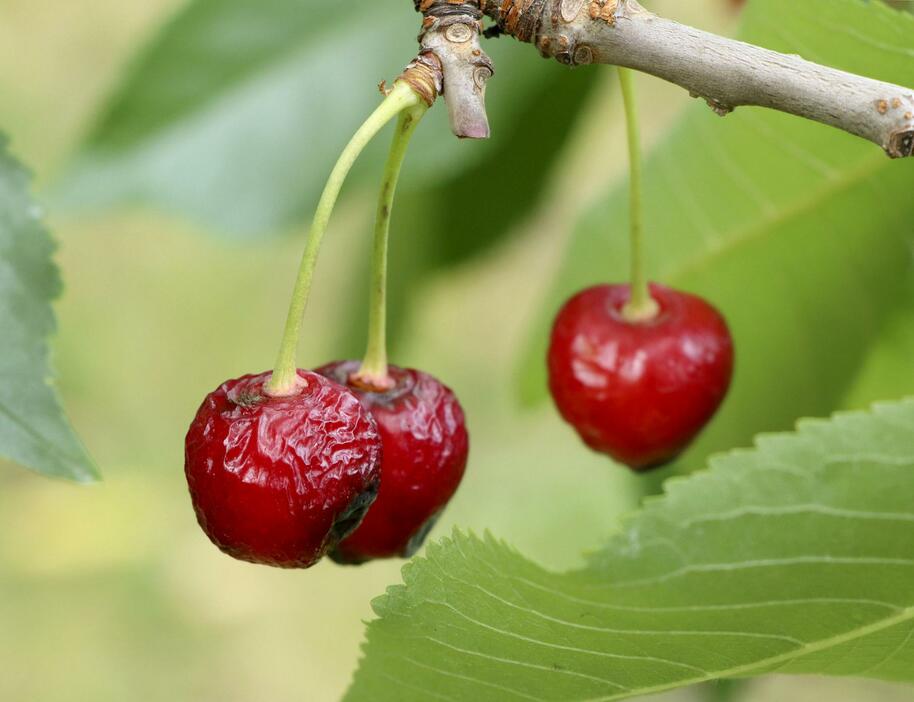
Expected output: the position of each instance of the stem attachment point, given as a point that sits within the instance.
(644, 312)
(372, 383)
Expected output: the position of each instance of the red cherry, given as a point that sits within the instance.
(425, 446)
(639, 391)
(281, 480)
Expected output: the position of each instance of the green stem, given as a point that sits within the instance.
(641, 306)
(373, 373)
(285, 380)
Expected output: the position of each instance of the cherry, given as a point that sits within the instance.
(639, 391)
(281, 480)
(425, 446)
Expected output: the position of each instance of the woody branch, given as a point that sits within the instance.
(726, 73)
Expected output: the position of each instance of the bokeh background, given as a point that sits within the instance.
(110, 592)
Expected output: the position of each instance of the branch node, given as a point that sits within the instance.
(424, 75)
(451, 30)
(719, 108)
(901, 143)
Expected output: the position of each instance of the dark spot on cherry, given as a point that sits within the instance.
(280, 480)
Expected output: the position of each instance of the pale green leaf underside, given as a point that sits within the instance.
(796, 556)
(800, 233)
(33, 429)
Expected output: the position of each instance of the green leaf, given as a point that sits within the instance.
(887, 369)
(237, 111)
(33, 429)
(519, 162)
(800, 233)
(793, 557)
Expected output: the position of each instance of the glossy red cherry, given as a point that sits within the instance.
(281, 480)
(639, 391)
(425, 446)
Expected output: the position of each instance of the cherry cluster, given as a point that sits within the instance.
(331, 469)
(356, 460)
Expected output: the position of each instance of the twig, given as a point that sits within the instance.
(451, 31)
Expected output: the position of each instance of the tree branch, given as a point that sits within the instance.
(726, 73)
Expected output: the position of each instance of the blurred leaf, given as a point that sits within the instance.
(33, 429)
(888, 370)
(793, 557)
(800, 233)
(236, 113)
(906, 5)
(514, 173)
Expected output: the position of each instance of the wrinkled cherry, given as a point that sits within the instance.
(639, 391)
(425, 446)
(281, 480)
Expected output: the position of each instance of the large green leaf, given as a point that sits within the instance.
(33, 429)
(800, 233)
(237, 111)
(796, 557)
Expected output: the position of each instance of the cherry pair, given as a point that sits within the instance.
(354, 460)
(331, 468)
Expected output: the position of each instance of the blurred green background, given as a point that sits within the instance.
(111, 592)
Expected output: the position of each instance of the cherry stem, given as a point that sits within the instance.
(641, 306)
(373, 372)
(285, 379)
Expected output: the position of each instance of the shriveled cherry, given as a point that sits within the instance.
(281, 480)
(425, 446)
(639, 391)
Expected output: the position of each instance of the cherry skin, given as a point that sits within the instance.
(639, 391)
(281, 480)
(425, 446)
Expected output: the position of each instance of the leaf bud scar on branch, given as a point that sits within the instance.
(451, 32)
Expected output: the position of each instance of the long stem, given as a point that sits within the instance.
(641, 306)
(373, 373)
(285, 375)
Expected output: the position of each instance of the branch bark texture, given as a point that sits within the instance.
(451, 31)
(726, 73)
